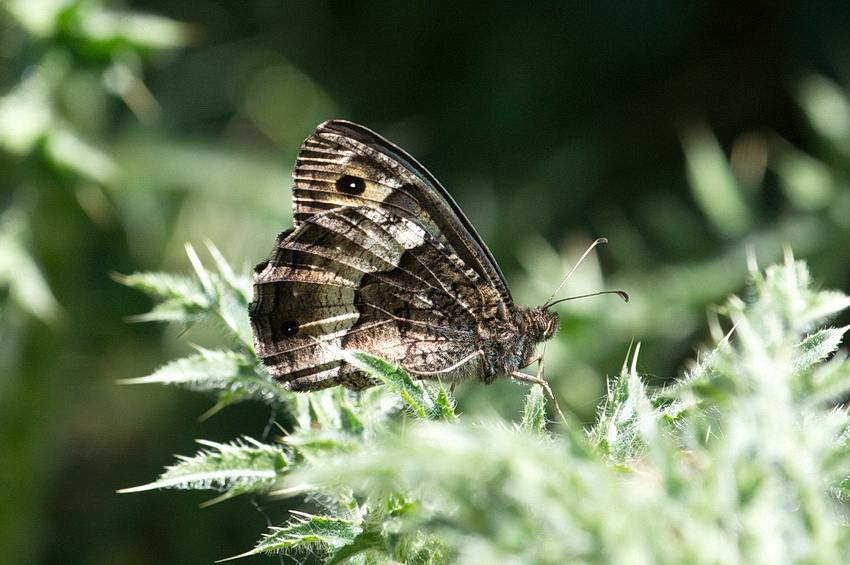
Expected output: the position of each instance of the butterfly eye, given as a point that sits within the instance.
(349, 184)
(289, 327)
(551, 326)
(546, 327)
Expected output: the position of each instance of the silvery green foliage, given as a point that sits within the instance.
(744, 460)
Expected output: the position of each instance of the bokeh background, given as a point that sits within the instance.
(691, 134)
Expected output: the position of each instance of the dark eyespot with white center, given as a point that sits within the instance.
(348, 184)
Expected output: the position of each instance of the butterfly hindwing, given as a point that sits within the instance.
(395, 290)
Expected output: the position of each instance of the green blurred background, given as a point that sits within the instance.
(688, 133)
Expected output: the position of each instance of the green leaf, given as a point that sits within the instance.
(365, 542)
(534, 411)
(19, 272)
(236, 468)
(231, 375)
(668, 470)
(307, 531)
(421, 399)
(616, 433)
(748, 433)
(218, 295)
(818, 346)
(828, 383)
(713, 184)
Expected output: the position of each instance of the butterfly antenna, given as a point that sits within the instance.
(620, 293)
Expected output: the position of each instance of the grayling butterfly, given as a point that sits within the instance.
(382, 259)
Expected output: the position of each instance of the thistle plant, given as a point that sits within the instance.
(743, 459)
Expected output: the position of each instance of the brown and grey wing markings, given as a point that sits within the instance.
(391, 179)
(382, 259)
(368, 279)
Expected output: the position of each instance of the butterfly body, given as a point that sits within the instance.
(381, 259)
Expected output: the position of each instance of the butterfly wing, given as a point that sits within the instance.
(366, 278)
(347, 165)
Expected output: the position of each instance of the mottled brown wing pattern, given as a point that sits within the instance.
(382, 259)
(364, 278)
(347, 165)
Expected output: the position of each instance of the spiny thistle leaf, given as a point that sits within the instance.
(420, 398)
(231, 375)
(338, 408)
(235, 468)
(380, 542)
(219, 296)
(475, 483)
(306, 532)
(368, 543)
(534, 411)
(785, 298)
(230, 292)
(182, 298)
(818, 346)
(728, 466)
(741, 461)
(616, 433)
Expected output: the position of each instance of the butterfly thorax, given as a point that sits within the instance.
(511, 345)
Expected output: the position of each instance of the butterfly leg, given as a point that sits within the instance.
(538, 380)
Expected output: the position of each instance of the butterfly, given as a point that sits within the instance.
(381, 259)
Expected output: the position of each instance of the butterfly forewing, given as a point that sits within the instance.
(345, 164)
